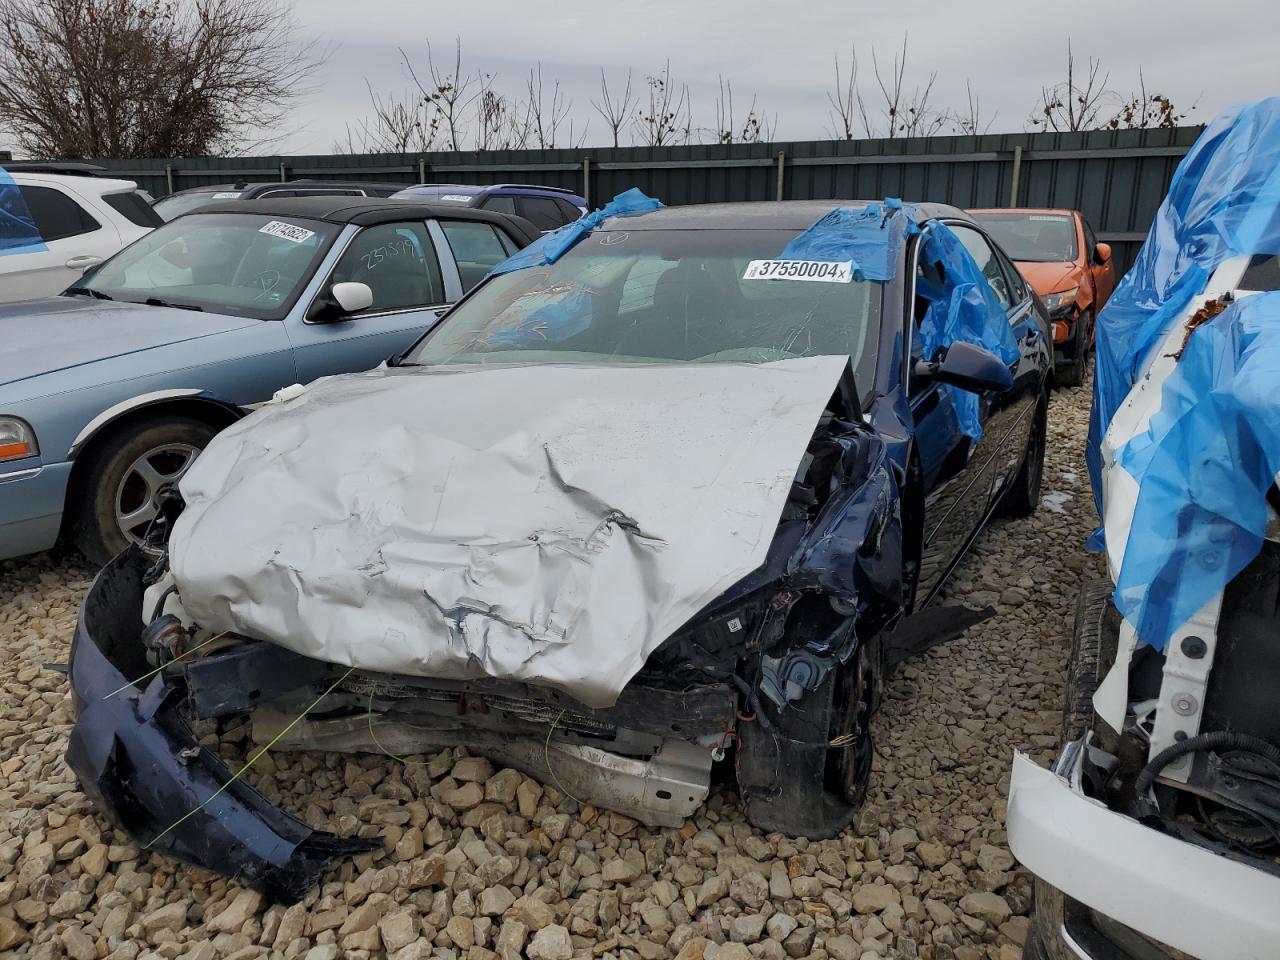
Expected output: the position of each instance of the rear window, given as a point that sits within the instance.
(133, 208)
(1032, 237)
(542, 212)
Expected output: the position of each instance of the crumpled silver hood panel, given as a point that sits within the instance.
(546, 523)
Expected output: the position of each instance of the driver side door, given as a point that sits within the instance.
(407, 267)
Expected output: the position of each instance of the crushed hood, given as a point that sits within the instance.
(546, 523)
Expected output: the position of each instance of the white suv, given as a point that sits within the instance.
(82, 219)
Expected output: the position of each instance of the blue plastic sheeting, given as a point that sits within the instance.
(552, 246)
(871, 237)
(1203, 468)
(18, 232)
(962, 307)
(1224, 200)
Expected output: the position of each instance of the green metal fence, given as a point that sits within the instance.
(1116, 177)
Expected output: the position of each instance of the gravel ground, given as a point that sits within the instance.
(487, 865)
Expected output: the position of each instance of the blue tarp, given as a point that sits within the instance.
(1224, 200)
(962, 307)
(18, 233)
(1203, 467)
(871, 237)
(552, 246)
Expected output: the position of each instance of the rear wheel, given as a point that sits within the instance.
(1023, 496)
(118, 494)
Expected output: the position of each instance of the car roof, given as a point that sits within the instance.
(760, 215)
(362, 211)
(80, 183)
(1060, 211)
(284, 185)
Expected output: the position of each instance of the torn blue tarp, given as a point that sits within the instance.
(1224, 200)
(1203, 467)
(554, 245)
(962, 306)
(871, 237)
(18, 231)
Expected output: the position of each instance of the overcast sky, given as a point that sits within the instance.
(1208, 54)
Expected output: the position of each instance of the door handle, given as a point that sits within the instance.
(83, 262)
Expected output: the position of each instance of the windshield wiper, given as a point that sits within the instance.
(157, 302)
(86, 291)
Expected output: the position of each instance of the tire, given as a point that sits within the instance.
(1092, 649)
(1023, 495)
(1072, 375)
(124, 472)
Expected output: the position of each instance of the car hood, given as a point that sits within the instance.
(1047, 278)
(544, 523)
(44, 336)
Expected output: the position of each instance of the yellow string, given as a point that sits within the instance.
(546, 756)
(374, 737)
(252, 760)
(148, 676)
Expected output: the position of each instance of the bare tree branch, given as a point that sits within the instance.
(667, 116)
(615, 112)
(846, 101)
(1075, 104)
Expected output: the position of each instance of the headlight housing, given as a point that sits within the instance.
(17, 440)
(1061, 303)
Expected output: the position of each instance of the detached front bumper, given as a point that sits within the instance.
(138, 761)
(1109, 886)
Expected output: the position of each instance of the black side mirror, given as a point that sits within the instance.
(968, 367)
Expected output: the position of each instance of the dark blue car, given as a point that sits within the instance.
(545, 207)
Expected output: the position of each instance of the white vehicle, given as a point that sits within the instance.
(82, 220)
(1155, 834)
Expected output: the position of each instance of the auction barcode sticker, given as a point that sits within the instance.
(825, 271)
(287, 231)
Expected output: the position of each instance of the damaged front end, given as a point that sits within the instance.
(781, 673)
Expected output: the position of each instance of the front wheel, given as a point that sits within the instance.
(118, 493)
(1072, 374)
(1023, 496)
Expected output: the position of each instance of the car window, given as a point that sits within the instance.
(663, 296)
(987, 260)
(542, 212)
(1262, 274)
(568, 210)
(1032, 237)
(243, 264)
(1017, 285)
(1090, 241)
(398, 262)
(177, 204)
(57, 216)
(500, 204)
(477, 247)
(133, 208)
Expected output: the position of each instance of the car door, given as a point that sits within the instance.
(407, 266)
(958, 471)
(74, 241)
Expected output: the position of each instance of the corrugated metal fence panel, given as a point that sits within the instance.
(1116, 177)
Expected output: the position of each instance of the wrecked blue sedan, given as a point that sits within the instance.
(668, 493)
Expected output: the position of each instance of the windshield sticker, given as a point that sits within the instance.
(1049, 218)
(824, 271)
(225, 196)
(287, 231)
(456, 198)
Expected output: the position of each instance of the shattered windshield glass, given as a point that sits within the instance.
(694, 296)
(1032, 237)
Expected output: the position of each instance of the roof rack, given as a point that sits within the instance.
(73, 168)
(535, 186)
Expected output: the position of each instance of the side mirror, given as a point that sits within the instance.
(1101, 253)
(968, 367)
(342, 299)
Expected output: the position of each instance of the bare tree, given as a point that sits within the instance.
(449, 90)
(755, 128)
(847, 105)
(616, 112)
(1077, 103)
(1143, 109)
(970, 120)
(500, 123)
(667, 117)
(544, 116)
(906, 113)
(139, 78)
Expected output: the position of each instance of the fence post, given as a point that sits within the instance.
(782, 162)
(586, 181)
(1017, 174)
(283, 177)
(422, 169)
(168, 176)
